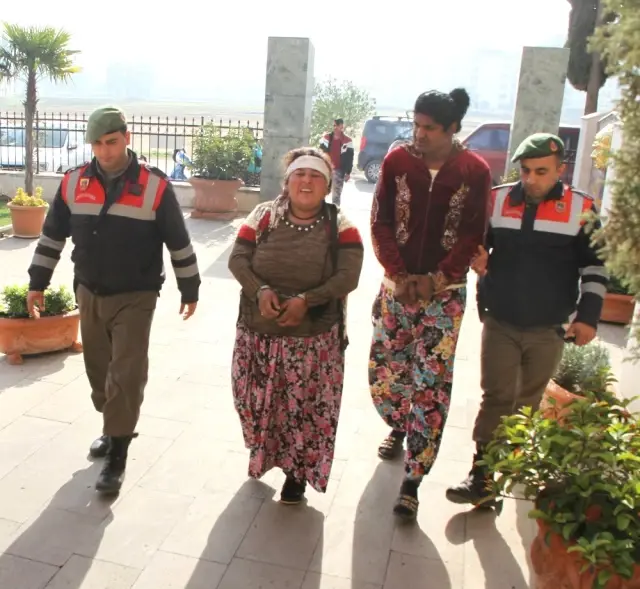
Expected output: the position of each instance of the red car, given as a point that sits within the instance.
(491, 142)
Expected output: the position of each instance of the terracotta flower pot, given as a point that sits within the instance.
(36, 336)
(27, 221)
(555, 568)
(215, 199)
(617, 308)
(562, 398)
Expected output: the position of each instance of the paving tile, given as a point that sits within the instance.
(411, 572)
(157, 427)
(67, 404)
(21, 573)
(81, 497)
(355, 543)
(16, 400)
(7, 529)
(284, 535)
(80, 572)
(438, 533)
(54, 535)
(189, 463)
(136, 529)
(22, 438)
(214, 526)
(318, 581)
(497, 548)
(174, 571)
(247, 574)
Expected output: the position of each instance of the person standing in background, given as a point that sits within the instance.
(339, 147)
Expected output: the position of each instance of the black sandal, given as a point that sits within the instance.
(292, 492)
(406, 507)
(391, 447)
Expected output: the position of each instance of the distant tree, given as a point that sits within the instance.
(587, 71)
(335, 99)
(29, 54)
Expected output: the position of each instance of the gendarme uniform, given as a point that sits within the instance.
(542, 269)
(118, 225)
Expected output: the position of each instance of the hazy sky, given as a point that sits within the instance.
(352, 38)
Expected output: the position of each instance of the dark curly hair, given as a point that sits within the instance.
(294, 154)
(444, 109)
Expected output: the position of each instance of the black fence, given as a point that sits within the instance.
(60, 139)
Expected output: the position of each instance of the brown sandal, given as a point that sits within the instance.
(391, 447)
(406, 507)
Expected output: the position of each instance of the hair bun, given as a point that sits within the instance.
(461, 100)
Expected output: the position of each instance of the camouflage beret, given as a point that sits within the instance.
(102, 121)
(539, 145)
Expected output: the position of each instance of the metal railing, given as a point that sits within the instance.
(60, 139)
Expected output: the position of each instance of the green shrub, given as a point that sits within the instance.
(584, 369)
(57, 301)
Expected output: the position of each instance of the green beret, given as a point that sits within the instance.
(539, 145)
(108, 119)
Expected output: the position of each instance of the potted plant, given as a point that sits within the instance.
(219, 163)
(584, 477)
(582, 370)
(618, 303)
(55, 328)
(27, 213)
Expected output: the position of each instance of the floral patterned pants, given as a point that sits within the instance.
(411, 369)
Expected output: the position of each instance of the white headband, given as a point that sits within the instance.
(309, 162)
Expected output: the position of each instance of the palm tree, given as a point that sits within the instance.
(31, 53)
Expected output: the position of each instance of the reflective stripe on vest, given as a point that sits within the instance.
(500, 218)
(143, 207)
(564, 216)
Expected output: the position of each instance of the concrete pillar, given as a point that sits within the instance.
(589, 127)
(543, 73)
(287, 106)
(607, 196)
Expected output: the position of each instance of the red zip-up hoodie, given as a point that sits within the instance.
(421, 225)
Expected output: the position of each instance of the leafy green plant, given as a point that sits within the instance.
(617, 286)
(22, 199)
(13, 301)
(585, 369)
(512, 176)
(619, 44)
(222, 157)
(583, 474)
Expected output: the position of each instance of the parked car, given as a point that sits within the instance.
(491, 142)
(58, 148)
(378, 134)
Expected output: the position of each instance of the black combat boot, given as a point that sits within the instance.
(475, 487)
(112, 474)
(100, 447)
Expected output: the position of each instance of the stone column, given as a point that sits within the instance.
(543, 72)
(584, 164)
(287, 106)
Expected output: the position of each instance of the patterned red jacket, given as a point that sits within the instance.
(421, 225)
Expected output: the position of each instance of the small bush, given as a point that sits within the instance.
(57, 301)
